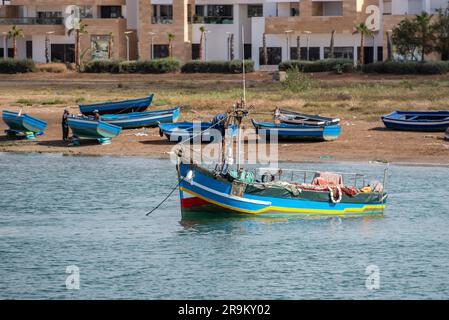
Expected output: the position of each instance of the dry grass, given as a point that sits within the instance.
(52, 67)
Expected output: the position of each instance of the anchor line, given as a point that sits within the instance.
(165, 199)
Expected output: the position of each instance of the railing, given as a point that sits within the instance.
(162, 20)
(213, 19)
(44, 21)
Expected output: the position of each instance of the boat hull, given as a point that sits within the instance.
(23, 123)
(143, 119)
(446, 134)
(114, 107)
(181, 131)
(92, 129)
(432, 121)
(297, 132)
(205, 193)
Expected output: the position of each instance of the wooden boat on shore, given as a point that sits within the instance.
(197, 131)
(292, 117)
(305, 132)
(417, 120)
(23, 124)
(142, 119)
(113, 107)
(93, 129)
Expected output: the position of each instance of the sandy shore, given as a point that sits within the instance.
(360, 141)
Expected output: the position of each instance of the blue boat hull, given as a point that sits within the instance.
(92, 129)
(114, 107)
(297, 132)
(23, 123)
(434, 121)
(198, 131)
(143, 119)
(206, 193)
(446, 134)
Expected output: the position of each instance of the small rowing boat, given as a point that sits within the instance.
(182, 131)
(23, 123)
(417, 120)
(113, 107)
(292, 117)
(92, 129)
(286, 131)
(142, 119)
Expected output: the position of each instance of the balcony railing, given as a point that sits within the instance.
(48, 21)
(162, 20)
(213, 19)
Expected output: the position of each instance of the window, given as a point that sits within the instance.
(340, 53)
(213, 14)
(199, 11)
(248, 54)
(274, 55)
(49, 14)
(327, 8)
(294, 9)
(314, 53)
(380, 53)
(111, 12)
(29, 49)
(86, 12)
(196, 54)
(255, 10)
(160, 50)
(62, 52)
(162, 13)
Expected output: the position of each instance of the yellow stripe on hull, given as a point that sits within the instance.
(344, 211)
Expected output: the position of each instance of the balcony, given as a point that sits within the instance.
(213, 19)
(30, 21)
(162, 20)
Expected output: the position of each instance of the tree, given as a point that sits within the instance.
(425, 34)
(363, 30)
(331, 46)
(203, 31)
(171, 37)
(79, 29)
(110, 45)
(404, 39)
(264, 50)
(441, 28)
(231, 47)
(298, 48)
(15, 33)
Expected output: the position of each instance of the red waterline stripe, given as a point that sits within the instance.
(193, 201)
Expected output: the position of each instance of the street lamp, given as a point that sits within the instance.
(152, 34)
(127, 33)
(308, 35)
(5, 45)
(47, 43)
(287, 39)
(229, 45)
(205, 44)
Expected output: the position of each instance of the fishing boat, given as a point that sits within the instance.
(19, 123)
(142, 119)
(417, 120)
(446, 134)
(113, 107)
(199, 130)
(292, 117)
(227, 187)
(285, 131)
(83, 127)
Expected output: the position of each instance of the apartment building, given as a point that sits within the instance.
(140, 28)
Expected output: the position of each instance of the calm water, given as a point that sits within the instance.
(57, 211)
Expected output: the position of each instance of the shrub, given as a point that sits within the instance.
(52, 67)
(102, 66)
(346, 65)
(407, 67)
(17, 66)
(297, 81)
(217, 66)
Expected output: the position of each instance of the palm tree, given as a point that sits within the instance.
(331, 46)
(264, 49)
(171, 37)
(364, 31)
(79, 30)
(231, 47)
(425, 33)
(202, 30)
(298, 47)
(110, 45)
(15, 33)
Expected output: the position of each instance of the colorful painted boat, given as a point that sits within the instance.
(212, 192)
(417, 120)
(292, 117)
(286, 131)
(142, 119)
(113, 107)
(200, 130)
(92, 129)
(23, 123)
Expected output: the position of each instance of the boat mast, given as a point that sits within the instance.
(239, 111)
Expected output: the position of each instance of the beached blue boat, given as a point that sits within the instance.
(446, 134)
(417, 120)
(23, 123)
(197, 131)
(113, 107)
(286, 131)
(142, 119)
(293, 117)
(92, 129)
